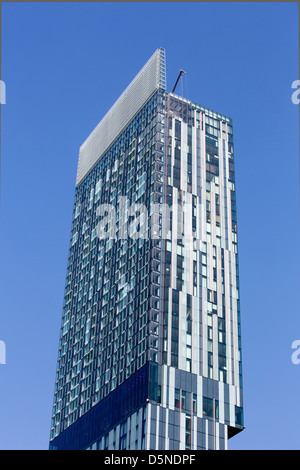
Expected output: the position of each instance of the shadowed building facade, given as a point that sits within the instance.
(150, 343)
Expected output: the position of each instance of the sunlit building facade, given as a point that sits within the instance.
(150, 342)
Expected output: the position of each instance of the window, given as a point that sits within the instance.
(106, 438)
(209, 333)
(208, 407)
(177, 129)
(188, 432)
(239, 415)
(217, 409)
(75, 238)
(211, 408)
(177, 398)
(194, 403)
(183, 400)
(77, 211)
(123, 435)
(98, 186)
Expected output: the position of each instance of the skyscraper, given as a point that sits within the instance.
(150, 344)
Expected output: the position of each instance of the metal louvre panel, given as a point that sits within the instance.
(149, 79)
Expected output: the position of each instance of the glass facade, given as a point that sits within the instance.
(150, 346)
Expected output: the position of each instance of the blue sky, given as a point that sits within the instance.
(64, 65)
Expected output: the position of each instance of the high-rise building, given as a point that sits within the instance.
(150, 343)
